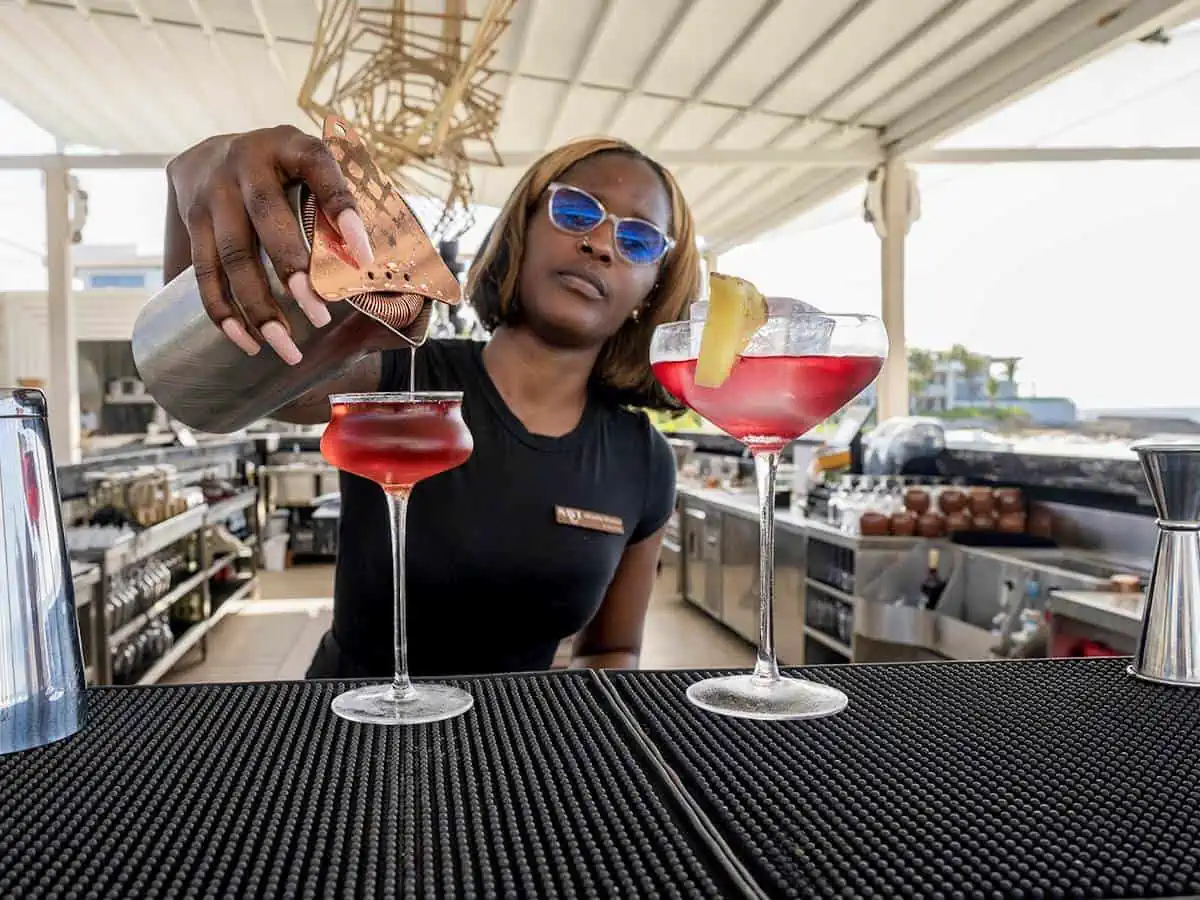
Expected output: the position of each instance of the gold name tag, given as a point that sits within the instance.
(582, 518)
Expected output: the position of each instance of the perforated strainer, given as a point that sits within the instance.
(407, 273)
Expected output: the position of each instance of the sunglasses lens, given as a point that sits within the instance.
(640, 242)
(575, 212)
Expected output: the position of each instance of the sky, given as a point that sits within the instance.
(1086, 270)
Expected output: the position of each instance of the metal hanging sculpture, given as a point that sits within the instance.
(415, 86)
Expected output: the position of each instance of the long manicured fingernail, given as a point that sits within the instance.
(237, 333)
(282, 342)
(354, 233)
(307, 299)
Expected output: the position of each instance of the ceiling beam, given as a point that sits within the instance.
(742, 230)
(176, 61)
(85, 161)
(904, 44)
(751, 28)
(975, 156)
(149, 108)
(828, 36)
(591, 41)
(55, 51)
(966, 42)
(214, 44)
(33, 98)
(520, 35)
(785, 156)
(260, 17)
(735, 187)
(759, 219)
(1068, 41)
(521, 159)
(658, 50)
(806, 157)
(1046, 40)
(528, 7)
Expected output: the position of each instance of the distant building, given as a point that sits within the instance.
(951, 387)
(1048, 412)
(116, 266)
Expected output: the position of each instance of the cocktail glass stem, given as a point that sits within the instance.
(766, 467)
(397, 499)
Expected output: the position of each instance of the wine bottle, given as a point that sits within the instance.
(934, 584)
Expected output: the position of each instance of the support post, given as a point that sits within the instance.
(62, 393)
(897, 196)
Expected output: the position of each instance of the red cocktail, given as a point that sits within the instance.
(794, 367)
(772, 398)
(397, 440)
(397, 443)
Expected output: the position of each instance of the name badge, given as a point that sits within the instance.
(594, 521)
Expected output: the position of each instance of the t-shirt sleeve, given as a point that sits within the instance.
(660, 486)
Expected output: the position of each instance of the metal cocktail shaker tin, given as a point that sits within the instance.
(202, 379)
(42, 695)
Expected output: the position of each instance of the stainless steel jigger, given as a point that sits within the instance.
(1169, 649)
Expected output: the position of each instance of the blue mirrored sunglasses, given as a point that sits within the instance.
(575, 211)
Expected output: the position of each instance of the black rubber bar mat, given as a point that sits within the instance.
(258, 790)
(1040, 779)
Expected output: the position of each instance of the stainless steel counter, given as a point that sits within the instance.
(1105, 609)
(818, 572)
(834, 591)
(746, 504)
(880, 629)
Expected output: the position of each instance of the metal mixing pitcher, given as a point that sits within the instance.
(42, 695)
(200, 378)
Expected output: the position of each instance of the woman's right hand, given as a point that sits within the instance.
(229, 191)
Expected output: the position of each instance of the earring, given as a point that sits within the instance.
(635, 315)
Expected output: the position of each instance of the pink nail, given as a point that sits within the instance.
(237, 333)
(307, 299)
(354, 233)
(281, 342)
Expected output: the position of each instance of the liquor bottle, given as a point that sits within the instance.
(934, 584)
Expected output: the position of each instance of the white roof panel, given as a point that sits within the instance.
(762, 107)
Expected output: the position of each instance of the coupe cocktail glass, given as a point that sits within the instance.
(798, 369)
(397, 440)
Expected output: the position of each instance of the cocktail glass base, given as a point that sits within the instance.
(753, 697)
(381, 704)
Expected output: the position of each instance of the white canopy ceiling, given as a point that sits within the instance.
(764, 108)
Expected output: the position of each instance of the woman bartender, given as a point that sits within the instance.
(594, 248)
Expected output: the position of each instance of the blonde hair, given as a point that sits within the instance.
(623, 368)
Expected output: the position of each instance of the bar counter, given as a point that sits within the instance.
(1029, 779)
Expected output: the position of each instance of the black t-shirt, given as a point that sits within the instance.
(494, 581)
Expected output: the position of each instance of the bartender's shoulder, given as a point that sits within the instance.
(638, 424)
